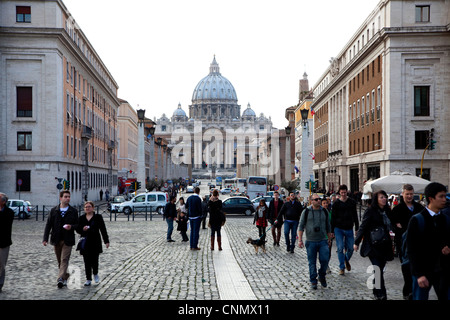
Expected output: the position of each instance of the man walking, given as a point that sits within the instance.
(6, 221)
(428, 245)
(274, 210)
(290, 212)
(170, 213)
(195, 213)
(315, 223)
(343, 217)
(61, 223)
(401, 214)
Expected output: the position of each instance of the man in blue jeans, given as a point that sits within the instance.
(194, 213)
(315, 223)
(343, 217)
(290, 212)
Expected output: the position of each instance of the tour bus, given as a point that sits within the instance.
(236, 184)
(218, 182)
(256, 187)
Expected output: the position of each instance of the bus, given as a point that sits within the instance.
(218, 182)
(256, 187)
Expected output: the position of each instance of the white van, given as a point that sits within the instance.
(145, 202)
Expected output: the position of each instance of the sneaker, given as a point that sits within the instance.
(323, 282)
(96, 278)
(170, 240)
(60, 283)
(87, 283)
(341, 272)
(347, 265)
(313, 285)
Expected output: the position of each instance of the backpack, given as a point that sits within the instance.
(325, 212)
(421, 222)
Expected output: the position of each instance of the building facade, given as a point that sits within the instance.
(215, 136)
(383, 94)
(58, 106)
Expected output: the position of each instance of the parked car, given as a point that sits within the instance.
(22, 209)
(144, 202)
(190, 189)
(212, 186)
(256, 201)
(114, 204)
(239, 205)
(225, 190)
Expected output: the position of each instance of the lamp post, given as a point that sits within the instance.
(305, 173)
(287, 162)
(141, 150)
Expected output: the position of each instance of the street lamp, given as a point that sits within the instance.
(141, 115)
(304, 113)
(151, 131)
(287, 130)
(141, 148)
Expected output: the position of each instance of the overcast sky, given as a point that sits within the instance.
(157, 51)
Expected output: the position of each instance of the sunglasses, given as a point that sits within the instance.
(315, 199)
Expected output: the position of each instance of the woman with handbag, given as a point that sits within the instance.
(376, 240)
(90, 226)
(216, 218)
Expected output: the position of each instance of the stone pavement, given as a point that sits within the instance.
(141, 265)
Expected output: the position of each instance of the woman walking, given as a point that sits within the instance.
(90, 226)
(377, 243)
(216, 218)
(261, 215)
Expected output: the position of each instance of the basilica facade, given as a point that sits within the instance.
(215, 135)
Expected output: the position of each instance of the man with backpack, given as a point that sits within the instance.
(428, 246)
(315, 223)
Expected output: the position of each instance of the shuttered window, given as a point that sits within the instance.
(24, 101)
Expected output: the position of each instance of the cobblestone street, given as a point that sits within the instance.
(141, 265)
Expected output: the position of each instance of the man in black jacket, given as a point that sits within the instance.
(429, 246)
(170, 213)
(401, 214)
(343, 217)
(290, 212)
(61, 224)
(6, 221)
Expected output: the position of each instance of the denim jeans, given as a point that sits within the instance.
(195, 229)
(169, 228)
(290, 226)
(344, 240)
(439, 284)
(312, 249)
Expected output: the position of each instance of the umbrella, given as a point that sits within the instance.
(394, 183)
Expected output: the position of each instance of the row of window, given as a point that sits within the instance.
(365, 144)
(365, 75)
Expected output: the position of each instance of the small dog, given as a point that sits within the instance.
(257, 243)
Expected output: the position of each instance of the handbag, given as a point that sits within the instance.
(378, 235)
(81, 243)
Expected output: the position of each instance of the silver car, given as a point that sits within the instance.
(21, 208)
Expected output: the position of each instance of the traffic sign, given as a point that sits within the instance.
(276, 187)
(19, 182)
(59, 186)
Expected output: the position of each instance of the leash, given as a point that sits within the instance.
(268, 230)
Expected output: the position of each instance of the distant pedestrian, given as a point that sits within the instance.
(377, 244)
(107, 195)
(101, 194)
(274, 211)
(315, 223)
(6, 221)
(343, 218)
(92, 228)
(60, 227)
(204, 211)
(170, 214)
(195, 212)
(216, 218)
(290, 212)
(429, 246)
(261, 216)
(182, 221)
(401, 214)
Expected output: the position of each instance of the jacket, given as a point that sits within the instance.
(272, 214)
(344, 215)
(216, 216)
(372, 219)
(6, 221)
(194, 206)
(401, 214)
(54, 226)
(170, 210)
(92, 235)
(425, 249)
(291, 211)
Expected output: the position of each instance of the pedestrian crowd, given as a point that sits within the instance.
(421, 241)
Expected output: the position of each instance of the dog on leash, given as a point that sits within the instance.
(257, 244)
